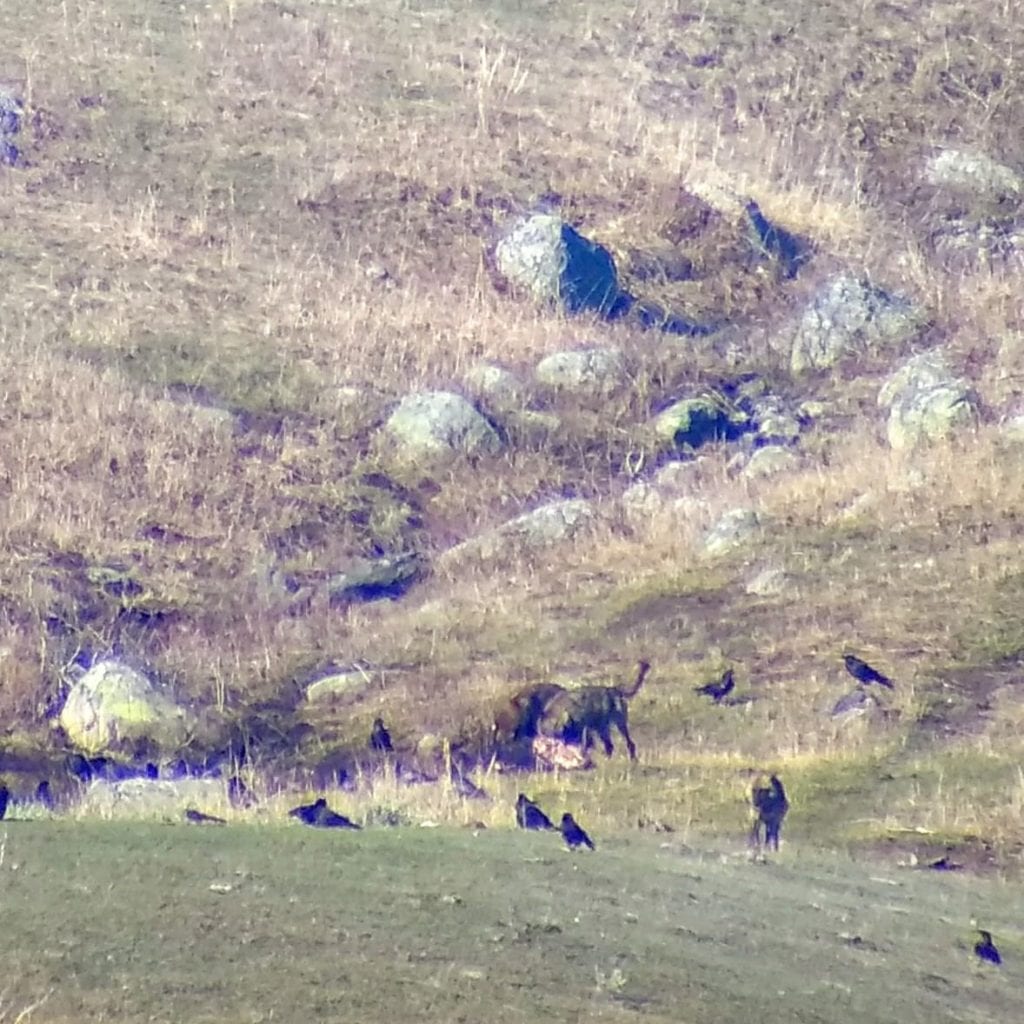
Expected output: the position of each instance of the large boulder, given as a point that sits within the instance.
(441, 425)
(554, 264)
(926, 402)
(114, 706)
(375, 579)
(851, 317)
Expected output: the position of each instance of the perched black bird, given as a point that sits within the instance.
(985, 948)
(717, 691)
(380, 738)
(573, 835)
(529, 815)
(319, 815)
(5, 795)
(771, 805)
(198, 818)
(864, 673)
(43, 795)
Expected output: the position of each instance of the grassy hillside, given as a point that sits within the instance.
(233, 214)
(149, 923)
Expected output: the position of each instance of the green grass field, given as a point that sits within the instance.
(136, 923)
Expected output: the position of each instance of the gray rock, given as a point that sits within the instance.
(731, 531)
(339, 686)
(695, 421)
(854, 704)
(549, 524)
(595, 371)
(114, 703)
(553, 263)
(769, 582)
(496, 383)
(773, 422)
(926, 402)
(769, 461)
(441, 425)
(851, 316)
(973, 172)
(376, 579)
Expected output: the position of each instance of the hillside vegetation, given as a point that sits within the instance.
(244, 229)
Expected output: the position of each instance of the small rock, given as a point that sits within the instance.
(695, 421)
(973, 172)
(596, 371)
(769, 582)
(441, 424)
(770, 461)
(731, 531)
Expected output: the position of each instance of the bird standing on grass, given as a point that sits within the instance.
(985, 948)
(530, 816)
(573, 835)
(864, 673)
(319, 815)
(380, 738)
(5, 795)
(717, 691)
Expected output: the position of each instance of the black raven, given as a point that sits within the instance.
(44, 796)
(529, 815)
(573, 835)
(771, 805)
(5, 795)
(380, 738)
(985, 948)
(716, 691)
(199, 818)
(864, 673)
(319, 815)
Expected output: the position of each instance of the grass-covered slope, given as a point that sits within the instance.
(232, 215)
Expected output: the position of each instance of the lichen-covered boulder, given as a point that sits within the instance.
(851, 317)
(595, 371)
(114, 705)
(926, 402)
(554, 264)
(441, 425)
(770, 460)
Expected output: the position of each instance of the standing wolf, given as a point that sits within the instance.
(576, 716)
(771, 806)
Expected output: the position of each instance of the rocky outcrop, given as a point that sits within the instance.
(377, 579)
(976, 173)
(114, 706)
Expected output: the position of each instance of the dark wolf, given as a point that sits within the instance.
(517, 719)
(576, 716)
(771, 806)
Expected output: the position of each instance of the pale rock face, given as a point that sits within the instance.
(114, 702)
